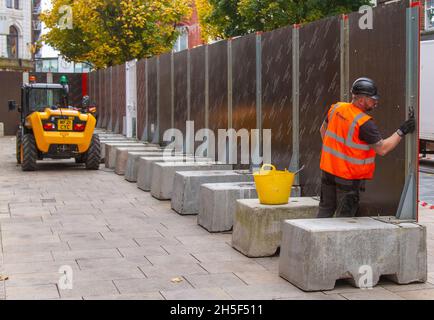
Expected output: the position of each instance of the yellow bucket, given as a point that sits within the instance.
(273, 186)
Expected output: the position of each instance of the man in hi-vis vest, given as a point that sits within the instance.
(351, 141)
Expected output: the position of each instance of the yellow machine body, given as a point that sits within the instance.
(44, 139)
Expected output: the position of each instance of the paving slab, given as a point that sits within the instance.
(257, 227)
(163, 175)
(145, 168)
(132, 166)
(122, 156)
(186, 186)
(316, 253)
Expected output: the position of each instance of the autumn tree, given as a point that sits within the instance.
(110, 32)
(229, 18)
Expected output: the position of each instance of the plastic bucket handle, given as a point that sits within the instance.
(273, 168)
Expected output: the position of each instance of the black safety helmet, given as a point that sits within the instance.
(365, 86)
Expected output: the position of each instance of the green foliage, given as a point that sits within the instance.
(228, 18)
(110, 32)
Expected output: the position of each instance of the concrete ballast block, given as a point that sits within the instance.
(186, 186)
(317, 252)
(163, 174)
(110, 152)
(122, 157)
(257, 230)
(133, 163)
(145, 168)
(103, 144)
(218, 201)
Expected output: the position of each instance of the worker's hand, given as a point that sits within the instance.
(407, 127)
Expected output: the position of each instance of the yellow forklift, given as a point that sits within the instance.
(50, 128)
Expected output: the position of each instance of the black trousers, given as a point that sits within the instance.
(339, 196)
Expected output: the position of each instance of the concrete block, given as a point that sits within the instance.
(317, 252)
(110, 151)
(257, 230)
(145, 169)
(2, 129)
(217, 203)
(104, 142)
(122, 156)
(163, 174)
(186, 186)
(132, 166)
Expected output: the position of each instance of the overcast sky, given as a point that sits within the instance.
(47, 51)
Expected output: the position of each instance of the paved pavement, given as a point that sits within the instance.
(120, 243)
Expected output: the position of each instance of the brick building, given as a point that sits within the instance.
(190, 32)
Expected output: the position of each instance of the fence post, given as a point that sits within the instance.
(295, 160)
(156, 137)
(408, 207)
(172, 91)
(345, 58)
(206, 87)
(229, 48)
(145, 135)
(259, 141)
(188, 85)
(110, 122)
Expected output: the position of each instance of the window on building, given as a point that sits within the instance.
(12, 43)
(17, 4)
(9, 4)
(429, 15)
(182, 41)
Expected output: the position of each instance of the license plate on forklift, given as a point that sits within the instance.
(64, 125)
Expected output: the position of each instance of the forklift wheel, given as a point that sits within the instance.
(93, 155)
(29, 153)
(18, 147)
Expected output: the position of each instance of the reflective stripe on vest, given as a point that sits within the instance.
(348, 158)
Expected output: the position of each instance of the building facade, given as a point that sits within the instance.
(16, 38)
(189, 32)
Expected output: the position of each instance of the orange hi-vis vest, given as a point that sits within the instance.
(343, 153)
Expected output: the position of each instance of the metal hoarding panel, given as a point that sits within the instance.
(141, 99)
(319, 89)
(152, 99)
(380, 54)
(165, 94)
(277, 93)
(180, 76)
(243, 87)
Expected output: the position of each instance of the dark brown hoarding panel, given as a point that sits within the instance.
(141, 98)
(277, 93)
(319, 89)
(152, 123)
(113, 95)
(116, 100)
(380, 54)
(218, 88)
(180, 92)
(108, 96)
(122, 112)
(165, 115)
(243, 87)
(10, 89)
(197, 78)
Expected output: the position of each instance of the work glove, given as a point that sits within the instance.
(407, 127)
